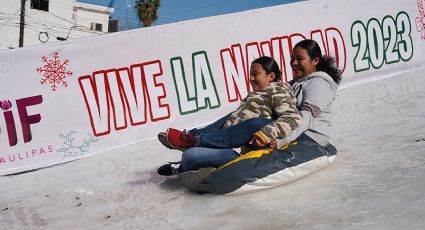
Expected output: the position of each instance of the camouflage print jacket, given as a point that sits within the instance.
(275, 102)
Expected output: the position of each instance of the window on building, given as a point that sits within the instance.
(40, 5)
(96, 26)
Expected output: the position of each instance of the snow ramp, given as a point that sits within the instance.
(92, 107)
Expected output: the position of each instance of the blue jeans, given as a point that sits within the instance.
(214, 136)
(217, 143)
(201, 157)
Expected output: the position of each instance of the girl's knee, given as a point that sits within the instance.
(190, 158)
(189, 154)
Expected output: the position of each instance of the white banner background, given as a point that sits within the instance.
(370, 38)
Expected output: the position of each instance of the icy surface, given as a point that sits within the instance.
(375, 183)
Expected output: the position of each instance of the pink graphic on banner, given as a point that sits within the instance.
(26, 119)
(420, 21)
(54, 71)
(5, 105)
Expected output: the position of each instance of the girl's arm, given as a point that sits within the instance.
(288, 116)
(316, 96)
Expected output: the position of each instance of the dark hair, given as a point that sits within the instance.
(270, 66)
(326, 64)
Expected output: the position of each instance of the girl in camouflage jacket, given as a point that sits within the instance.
(271, 103)
(275, 102)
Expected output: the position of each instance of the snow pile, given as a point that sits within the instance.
(373, 184)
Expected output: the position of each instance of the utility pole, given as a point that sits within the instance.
(127, 16)
(22, 24)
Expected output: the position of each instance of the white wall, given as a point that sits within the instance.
(58, 22)
(9, 30)
(85, 14)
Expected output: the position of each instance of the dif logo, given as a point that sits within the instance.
(25, 119)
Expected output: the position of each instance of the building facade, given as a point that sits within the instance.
(49, 21)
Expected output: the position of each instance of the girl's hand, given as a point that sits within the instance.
(256, 142)
(273, 144)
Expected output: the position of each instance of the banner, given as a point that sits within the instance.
(64, 101)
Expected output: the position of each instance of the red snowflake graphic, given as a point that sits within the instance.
(54, 71)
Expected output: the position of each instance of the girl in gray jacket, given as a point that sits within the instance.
(315, 85)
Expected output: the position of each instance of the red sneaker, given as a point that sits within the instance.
(162, 137)
(180, 140)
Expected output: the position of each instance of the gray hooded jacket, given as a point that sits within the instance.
(315, 95)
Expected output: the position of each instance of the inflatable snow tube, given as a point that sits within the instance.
(263, 169)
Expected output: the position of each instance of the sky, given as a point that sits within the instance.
(180, 10)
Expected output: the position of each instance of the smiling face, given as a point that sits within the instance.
(258, 77)
(302, 64)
